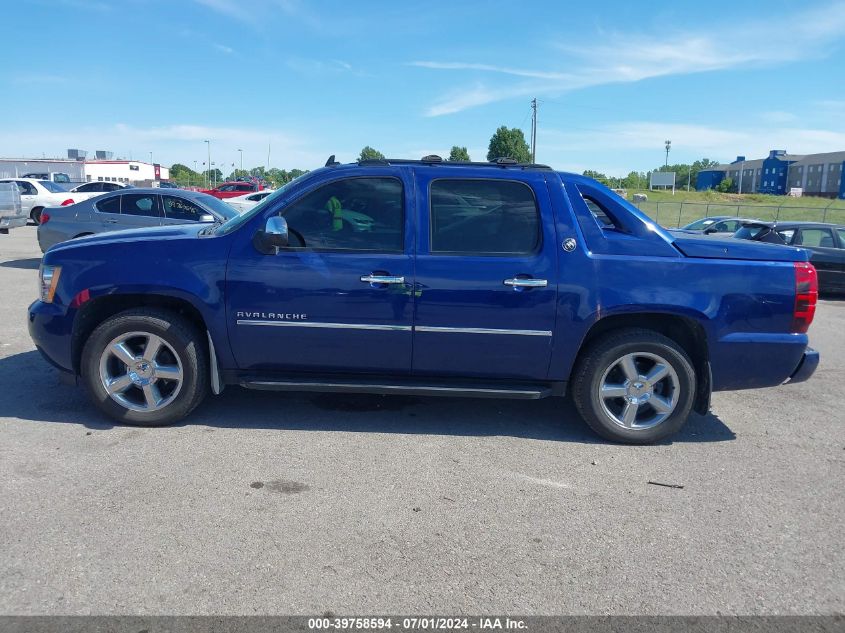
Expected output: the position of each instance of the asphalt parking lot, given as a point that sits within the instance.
(300, 504)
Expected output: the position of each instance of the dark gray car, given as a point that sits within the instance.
(128, 209)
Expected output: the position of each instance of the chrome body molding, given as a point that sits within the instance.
(331, 326)
(395, 328)
(481, 330)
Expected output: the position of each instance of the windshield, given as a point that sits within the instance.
(51, 186)
(61, 178)
(218, 207)
(239, 220)
(699, 225)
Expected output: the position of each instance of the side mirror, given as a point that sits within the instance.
(206, 217)
(710, 229)
(273, 237)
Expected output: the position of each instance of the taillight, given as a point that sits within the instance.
(45, 217)
(806, 295)
(67, 202)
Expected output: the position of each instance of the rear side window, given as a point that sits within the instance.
(483, 217)
(364, 214)
(109, 205)
(815, 237)
(841, 237)
(139, 204)
(599, 213)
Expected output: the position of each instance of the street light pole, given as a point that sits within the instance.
(195, 171)
(242, 160)
(208, 173)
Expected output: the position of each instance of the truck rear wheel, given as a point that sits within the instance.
(145, 367)
(634, 386)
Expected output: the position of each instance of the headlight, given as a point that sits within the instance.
(49, 279)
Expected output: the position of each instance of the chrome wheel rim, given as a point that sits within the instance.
(141, 371)
(639, 391)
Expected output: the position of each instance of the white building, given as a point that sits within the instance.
(133, 172)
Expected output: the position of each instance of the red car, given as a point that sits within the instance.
(232, 189)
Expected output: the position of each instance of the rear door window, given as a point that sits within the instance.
(483, 217)
(841, 233)
(27, 188)
(821, 237)
(144, 204)
(108, 205)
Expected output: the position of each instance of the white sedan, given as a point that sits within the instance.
(92, 189)
(38, 194)
(245, 202)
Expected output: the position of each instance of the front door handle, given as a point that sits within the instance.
(526, 283)
(110, 221)
(382, 279)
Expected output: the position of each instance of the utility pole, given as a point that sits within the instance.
(242, 160)
(668, 147)
(534, 130)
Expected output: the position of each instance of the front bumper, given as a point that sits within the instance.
(51, 329)
(806, 367)
(12, 223)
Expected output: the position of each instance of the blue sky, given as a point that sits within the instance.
(613, 79)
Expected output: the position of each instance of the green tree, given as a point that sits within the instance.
(509, 143)
(368, 153)
(726, 186)
(595, 175)
(635, 180)
(459, 155)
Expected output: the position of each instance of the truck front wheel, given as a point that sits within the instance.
(146, 367)
(634, 386)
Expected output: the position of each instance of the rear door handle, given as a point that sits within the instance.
(382, 279)
(526, 283)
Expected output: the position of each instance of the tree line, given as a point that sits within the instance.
(505, 143)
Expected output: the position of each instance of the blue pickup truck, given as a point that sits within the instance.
(427, 277)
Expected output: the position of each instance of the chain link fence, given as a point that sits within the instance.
(676, 214)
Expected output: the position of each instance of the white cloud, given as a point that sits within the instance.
(224, 49)
(631, 58)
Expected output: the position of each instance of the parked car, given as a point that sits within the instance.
(52, 176)
(97, 188)
(232, 189)
(717, 224)
(528, 295)
(248, 200)
(127, 209)
(38, 194)
(11, 211)
(167, 185)
(825, 242)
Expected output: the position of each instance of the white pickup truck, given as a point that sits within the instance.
(11, 212)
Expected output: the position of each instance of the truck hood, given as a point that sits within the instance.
(723, 247)
(155, 233)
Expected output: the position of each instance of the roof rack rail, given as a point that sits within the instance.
(504, 163)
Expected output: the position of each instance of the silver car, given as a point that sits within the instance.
(129, 209)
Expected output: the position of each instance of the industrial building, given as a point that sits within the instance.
(780, 173)
(79, 169)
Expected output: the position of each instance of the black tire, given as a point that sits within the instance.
(604, 357)
(184, 344)
(35, 215)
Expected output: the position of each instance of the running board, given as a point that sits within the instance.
(517, 392)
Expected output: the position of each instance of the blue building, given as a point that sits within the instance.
(814, 174)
